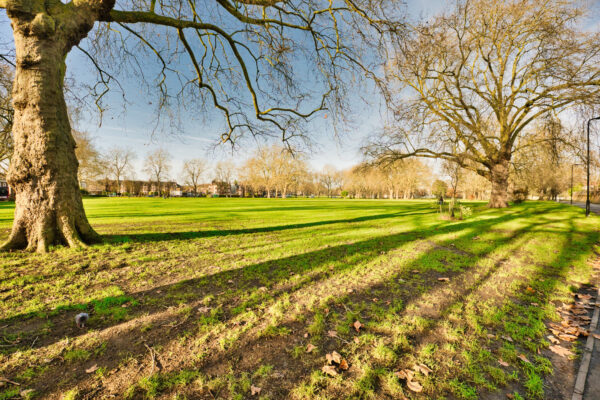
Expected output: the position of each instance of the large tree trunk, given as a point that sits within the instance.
(499, 179)
(43, 170)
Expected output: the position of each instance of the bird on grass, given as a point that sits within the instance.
(81, 319)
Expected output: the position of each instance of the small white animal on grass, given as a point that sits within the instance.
(81, 319)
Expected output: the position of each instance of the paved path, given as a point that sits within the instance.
(594, 207)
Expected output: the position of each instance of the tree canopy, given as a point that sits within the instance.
(267, 66)
(468, 84)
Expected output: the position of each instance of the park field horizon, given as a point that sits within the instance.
(297, 299)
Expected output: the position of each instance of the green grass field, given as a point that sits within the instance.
(218, 298)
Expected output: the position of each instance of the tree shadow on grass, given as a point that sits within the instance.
(167, 236)
(250, 352)
(274, 276)
(250, 276)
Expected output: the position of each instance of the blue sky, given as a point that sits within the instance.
(130, 126)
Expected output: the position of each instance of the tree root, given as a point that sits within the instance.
(39, 235)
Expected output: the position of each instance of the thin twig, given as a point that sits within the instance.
(153, 355)
(9, 381)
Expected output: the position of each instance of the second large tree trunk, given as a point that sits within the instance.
(43, 170)
(499, 178)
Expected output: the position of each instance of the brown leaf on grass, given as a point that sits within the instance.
(25, 393)
(333, 357)
(203, 310)
(555, 332)
(443, 279)
(414, 386)
(306, 335)
(356, 340)
(422, 368)
(329, 370)
(530, 289)
(561, 351)
(507, 338)
(375, 300)
(510, 396)
(357, 325)
(254, 390)
(584, 296)
(405, 374)
(332, 333)
(568, 338)
(503, 363)
(553, 339)
(523, 358)
(597, 336)
(344, 365)
(91, 369)
(310, 347)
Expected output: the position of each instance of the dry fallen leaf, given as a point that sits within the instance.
(503, 363)
(553, 339)
(405, 374)
(356, 340)
(306, 335)
(254, 390)
(597, 336)
(561, 351)
(333, 357)
(329, 370)
(443, 279)
(414, 386)
(344, 365)
(310, 347)
(91, 369)
(424, 369)
(357, 325)
(530, 289)
(523, 358)
(507, 338)
(568, 338)
(332, 333)
(25, 393)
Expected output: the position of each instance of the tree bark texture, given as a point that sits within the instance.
(43, 170)
(499, 179)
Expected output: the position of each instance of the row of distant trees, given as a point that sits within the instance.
(543, 171)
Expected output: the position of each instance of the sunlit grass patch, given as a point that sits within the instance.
(227, 295)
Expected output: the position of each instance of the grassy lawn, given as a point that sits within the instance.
(218, 298)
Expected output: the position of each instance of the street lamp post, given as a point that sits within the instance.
(572, 165)
(587, 202)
